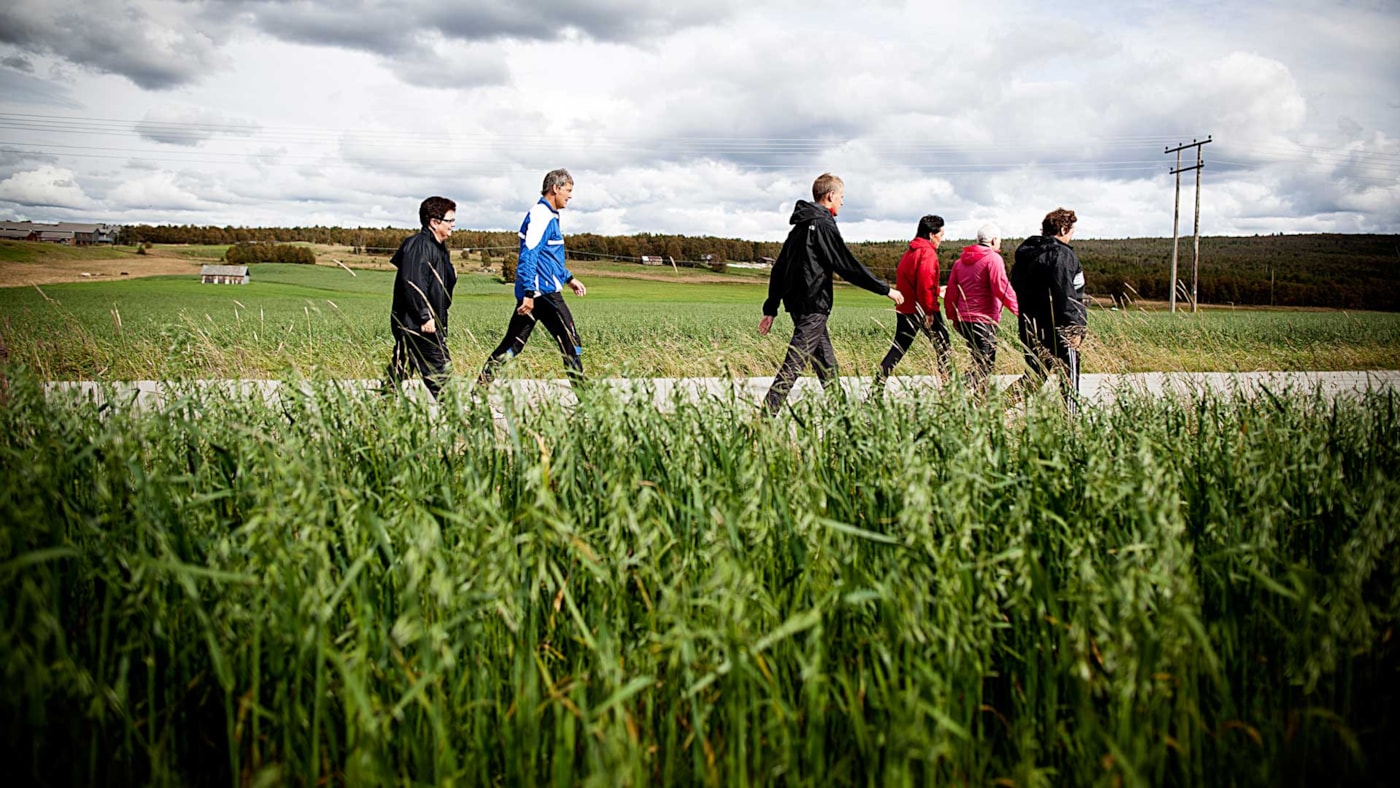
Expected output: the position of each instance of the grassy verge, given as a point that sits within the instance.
(323, 322)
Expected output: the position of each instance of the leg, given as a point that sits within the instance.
(905, 328)
(824, 356)
(799, 352)
(982, 341)
(937, 333)
(517, 334)
(560, 321)
(433, 362)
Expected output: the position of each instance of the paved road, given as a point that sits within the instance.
(1095, 389)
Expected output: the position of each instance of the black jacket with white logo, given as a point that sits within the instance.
(1049, 285)
(814, 249)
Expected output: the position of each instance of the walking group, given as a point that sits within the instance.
(1045, 290)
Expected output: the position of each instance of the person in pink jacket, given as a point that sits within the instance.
(977, 290)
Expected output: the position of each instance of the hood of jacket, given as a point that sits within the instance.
(976, 253)
(809, 212)
(924, 244)
(1039, 243)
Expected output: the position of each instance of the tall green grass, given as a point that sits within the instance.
(347, 589)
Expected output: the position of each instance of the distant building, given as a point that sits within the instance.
(768, 261)
(224, 275)
(651, 259)
(67, 233)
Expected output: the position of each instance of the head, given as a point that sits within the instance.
(1059, 223)
(438, 215)
(989, 235)
(829, 192)
(931, 227)
(558, 188)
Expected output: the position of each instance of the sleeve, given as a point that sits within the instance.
(954, 282)
(842, 262)
(1067, 289)
(928, 282)
(532, 237)
(1001, 287)
(414, 269)
(777, 278)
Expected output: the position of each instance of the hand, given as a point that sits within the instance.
(578, 287)
(765, 324)
(928, 319)
(1074, 341)
(896, 296)
(429, 327)
(527, 305)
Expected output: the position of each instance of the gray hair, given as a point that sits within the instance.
(554, 179)
(988, 233)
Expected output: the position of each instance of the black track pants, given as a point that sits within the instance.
(550, 310)
(908, 327)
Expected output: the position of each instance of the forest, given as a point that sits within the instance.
(1316, 270)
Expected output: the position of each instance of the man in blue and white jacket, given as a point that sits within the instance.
(540, 276)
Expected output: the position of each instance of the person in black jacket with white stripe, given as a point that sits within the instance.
(801, 280)
(1049, 285)
(422, 295)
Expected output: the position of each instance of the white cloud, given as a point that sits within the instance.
(47, 186)
(712, 118)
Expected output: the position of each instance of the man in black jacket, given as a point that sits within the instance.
(422, 295)
(1049, 285)
(801, 279)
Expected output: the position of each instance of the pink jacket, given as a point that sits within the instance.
(978, 287)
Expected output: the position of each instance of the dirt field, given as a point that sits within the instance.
(64, 268)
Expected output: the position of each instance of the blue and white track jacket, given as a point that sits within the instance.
(541, 268)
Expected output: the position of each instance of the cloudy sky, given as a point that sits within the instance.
(702, 116)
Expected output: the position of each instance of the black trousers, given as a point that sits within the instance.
(811, 344)
(982, 341)
(425, 354)
(550, 310)
(1046, 352)
(908, 327)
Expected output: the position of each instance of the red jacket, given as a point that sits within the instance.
(978, 287)
(917, 278)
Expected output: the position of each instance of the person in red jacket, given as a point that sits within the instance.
(917, 278)
(977, 290)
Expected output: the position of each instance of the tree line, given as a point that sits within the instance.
(1330, 270)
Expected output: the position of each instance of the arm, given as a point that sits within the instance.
(926, 294)
(1001, 287)
(415, 271)
(842, 262)
(1067, 290)
(954, 295)
(777, 278)
(527, 267)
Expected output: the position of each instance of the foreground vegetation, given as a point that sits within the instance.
(340, 588)
(322, 322)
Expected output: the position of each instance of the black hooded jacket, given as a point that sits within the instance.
(1049, 285)
(813, 251)
(423, 286)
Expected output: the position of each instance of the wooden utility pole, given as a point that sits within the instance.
(1176, 218)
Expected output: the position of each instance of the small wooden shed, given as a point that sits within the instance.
(224, 275)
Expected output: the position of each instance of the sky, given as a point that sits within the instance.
(708, 117)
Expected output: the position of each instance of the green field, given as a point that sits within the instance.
(360, 590)
(322, 322)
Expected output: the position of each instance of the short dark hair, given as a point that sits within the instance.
(434, 208)
(930, 225)
(1058, 222)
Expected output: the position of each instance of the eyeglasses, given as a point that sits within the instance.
(453, 220)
